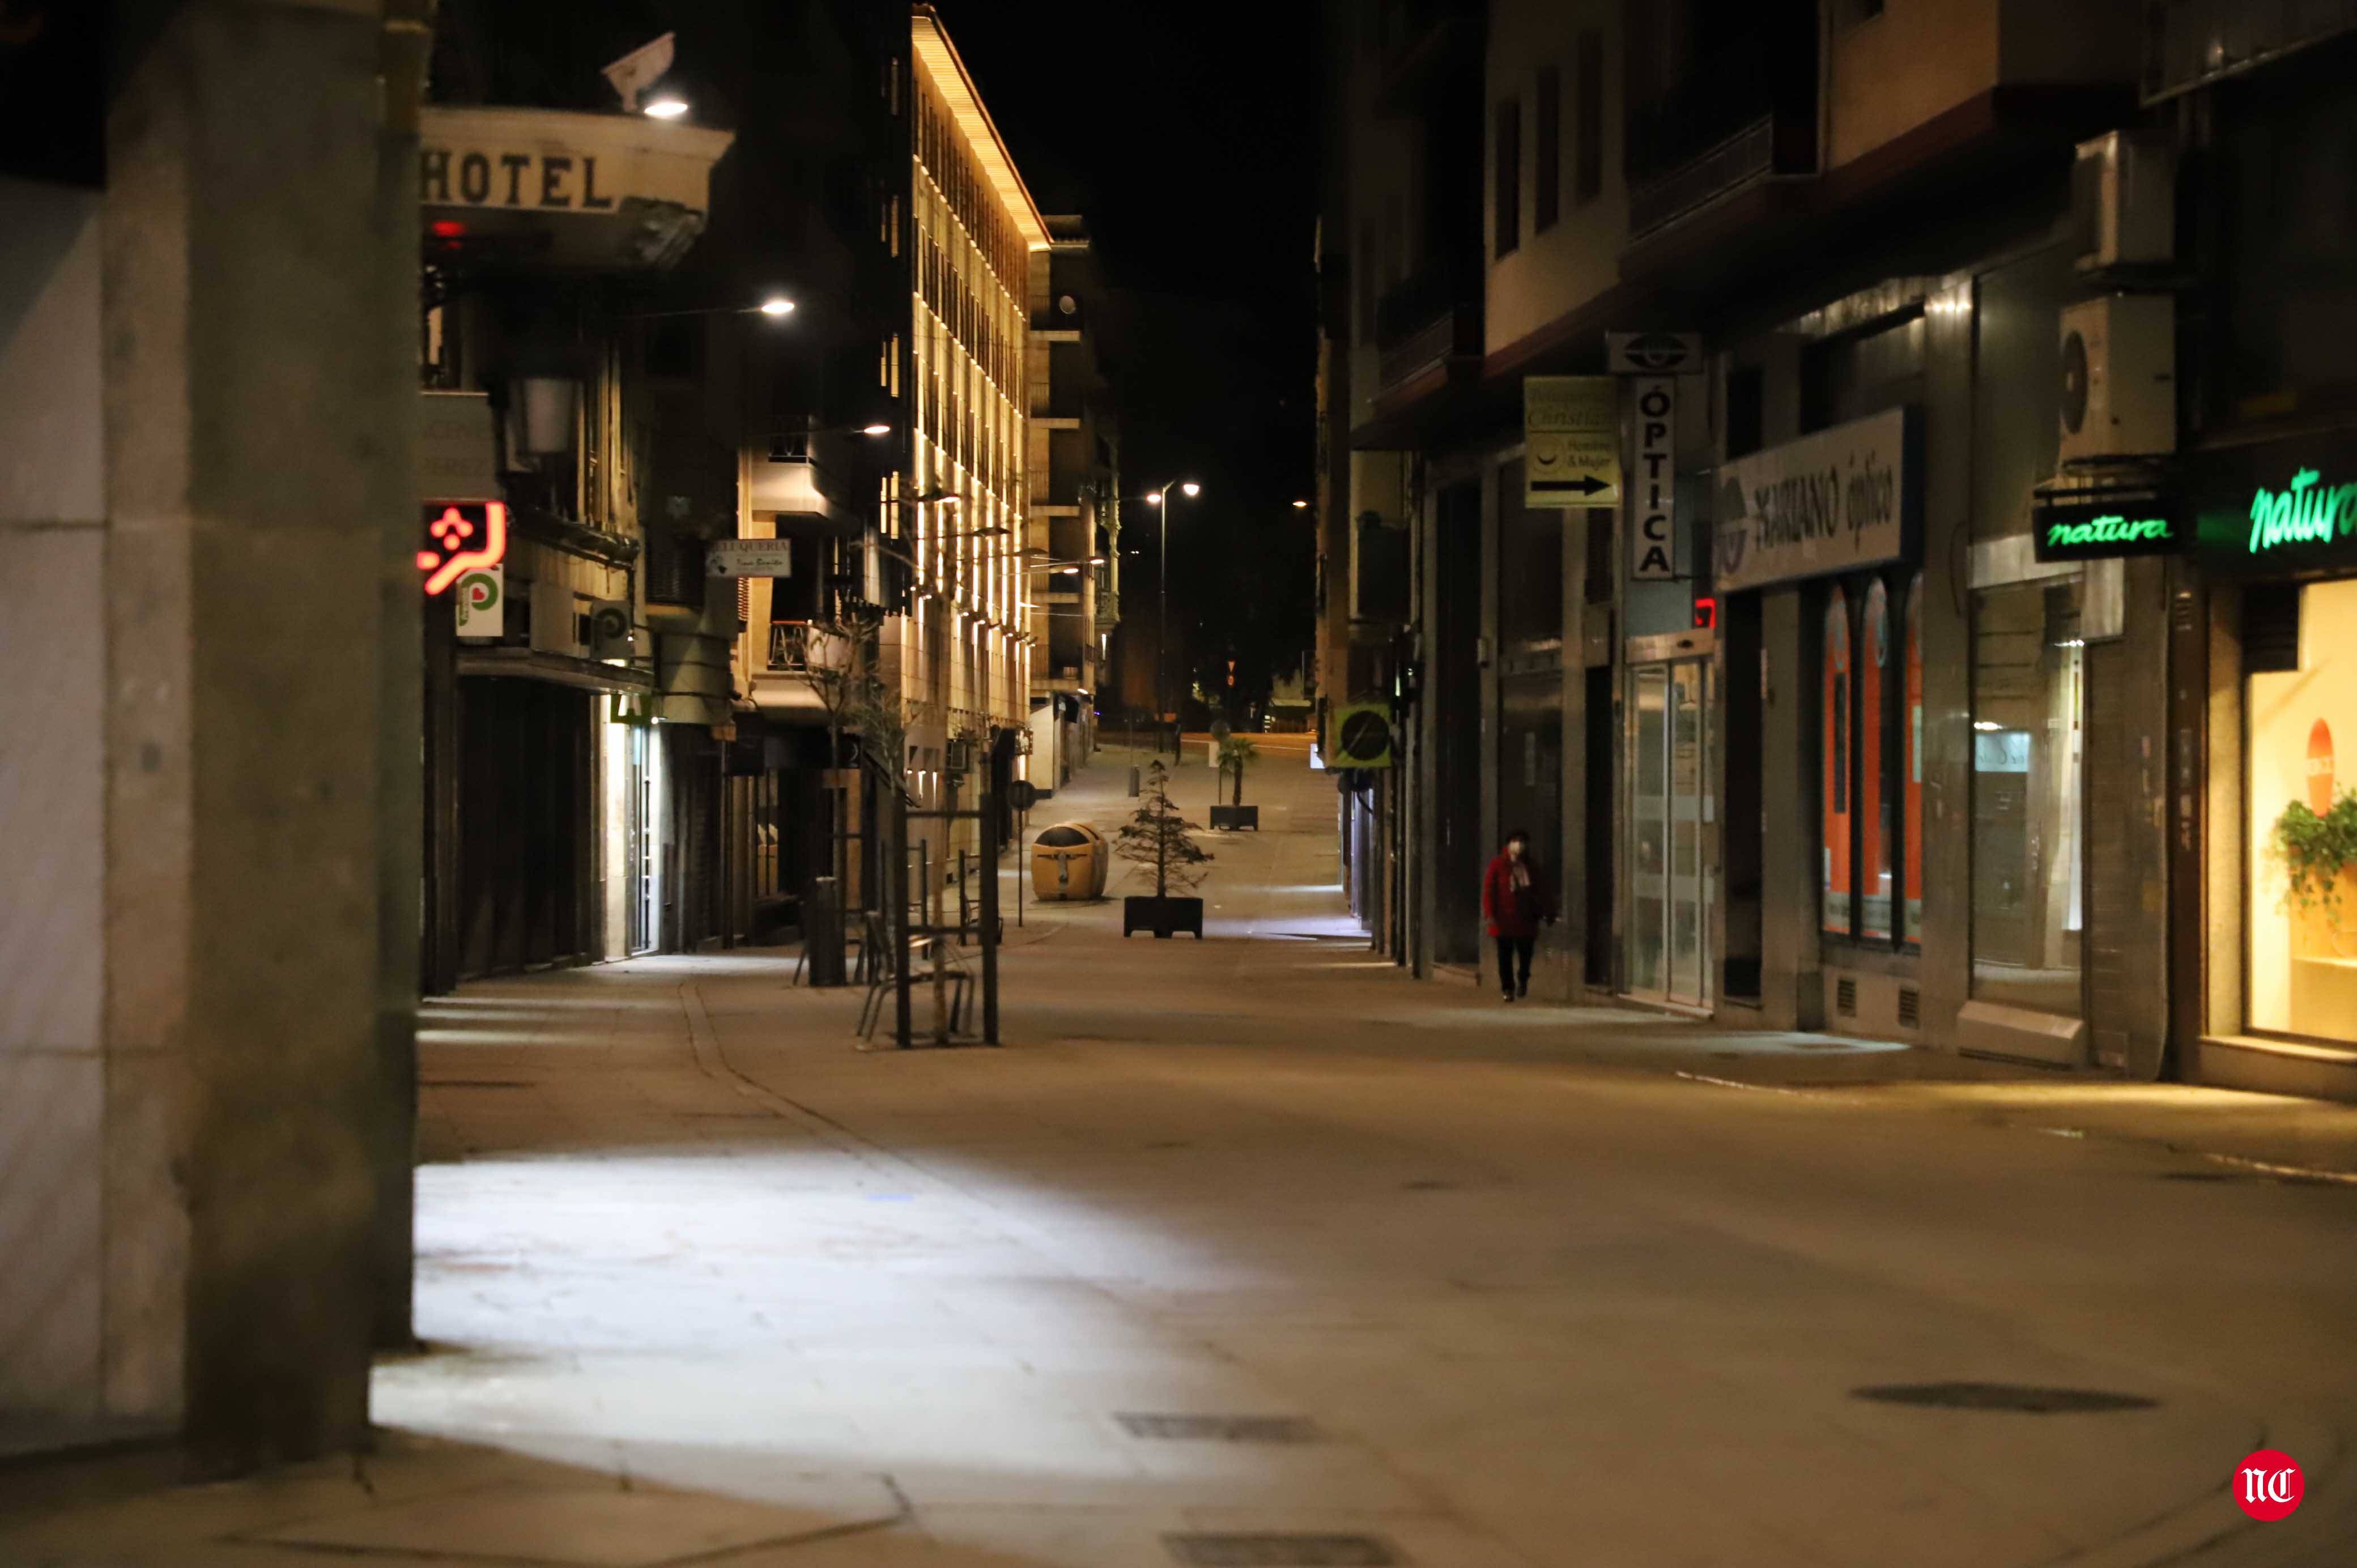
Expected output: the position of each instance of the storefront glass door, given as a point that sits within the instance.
(1671, 810)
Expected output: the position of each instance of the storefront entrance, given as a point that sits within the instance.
(1670, 855)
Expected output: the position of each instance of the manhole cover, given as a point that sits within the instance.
(1282, 1550)
(1191, 1428)
(2021, 1399)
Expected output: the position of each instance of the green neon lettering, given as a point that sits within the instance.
(2302, 513)
(2111, 528)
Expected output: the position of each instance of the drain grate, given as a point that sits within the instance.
(1846, 997)
(1910, 1007)
(1187, 1427)
(2020, 1399)
(1283, 1551)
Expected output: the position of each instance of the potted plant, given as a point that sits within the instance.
(1235, 750)
(2320, 860)
(1157, 835)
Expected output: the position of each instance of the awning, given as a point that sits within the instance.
(554, 189)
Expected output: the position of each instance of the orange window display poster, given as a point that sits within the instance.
(1874, 840)
(1840, 744)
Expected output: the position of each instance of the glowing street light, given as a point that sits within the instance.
(665, 106)
(1301, 506)
(1157, 499)
(775, 305)
(875, 430)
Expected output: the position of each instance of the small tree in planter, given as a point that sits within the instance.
(1235, 750)
(1158, 836)
(2320, 861)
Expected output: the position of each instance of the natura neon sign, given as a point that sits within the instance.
(2303, 512)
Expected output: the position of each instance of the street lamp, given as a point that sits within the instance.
(1160, 501)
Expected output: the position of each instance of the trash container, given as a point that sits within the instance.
(1070, 861)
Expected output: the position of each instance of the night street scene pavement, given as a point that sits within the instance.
(981, 784)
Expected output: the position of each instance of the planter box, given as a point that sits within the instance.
(1228, 818)
(1163, 917)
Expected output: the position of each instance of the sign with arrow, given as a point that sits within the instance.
(1571, 441)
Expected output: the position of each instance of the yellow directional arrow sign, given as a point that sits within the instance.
(1571, 441)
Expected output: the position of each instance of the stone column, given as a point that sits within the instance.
(198, 511)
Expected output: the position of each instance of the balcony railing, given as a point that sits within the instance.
(1431, 317)
(2194, 42)
(1769, 147)
(800, 648)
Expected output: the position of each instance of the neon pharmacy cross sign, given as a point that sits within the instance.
(459, 537)
(2302, 513)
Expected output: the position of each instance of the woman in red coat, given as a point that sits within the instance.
(1515, 901)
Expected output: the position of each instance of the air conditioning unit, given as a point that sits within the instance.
(557, 621)
(2124, 201)
(2119, 377)
(610, 630)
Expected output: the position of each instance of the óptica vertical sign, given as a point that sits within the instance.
(1652, 479)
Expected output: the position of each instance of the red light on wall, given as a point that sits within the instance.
(446, 229)
(459, 537)
(1706, 614)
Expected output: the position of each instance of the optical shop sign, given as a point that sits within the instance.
(1841, 499)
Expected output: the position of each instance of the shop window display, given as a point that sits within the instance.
(1840, 757)
(2302, 773)
(2029, 740)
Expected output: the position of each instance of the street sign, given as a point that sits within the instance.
(1654, 501)
(1571, 441)
(749, 558)
(1363, 736)
(1022, 794)
(1653, 353)
(482, 602)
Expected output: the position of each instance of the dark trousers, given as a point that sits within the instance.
(1514, 952)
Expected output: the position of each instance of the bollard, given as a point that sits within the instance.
(1134, 781)
(823, 932)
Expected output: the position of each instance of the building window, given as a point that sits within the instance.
(1587, 173)
(1510, 176)
(1874, 800)
(1910, 734)
(1871, 765)
(2303, 939)
(1839, 760)
(2028, 713)
(1546, 151)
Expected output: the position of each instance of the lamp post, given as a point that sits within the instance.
(1160, 501)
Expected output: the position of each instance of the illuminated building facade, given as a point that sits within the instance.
(959, 508)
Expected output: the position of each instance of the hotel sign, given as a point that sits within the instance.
(1843, 499)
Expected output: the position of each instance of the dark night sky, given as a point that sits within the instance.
(1186, 135)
